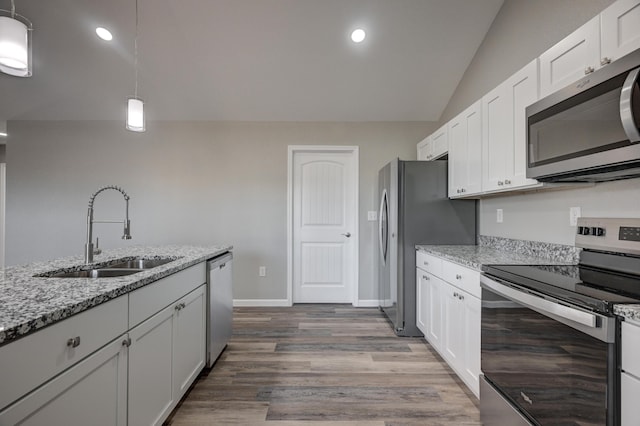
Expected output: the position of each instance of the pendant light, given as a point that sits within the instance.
(15, 43)
(135, 105)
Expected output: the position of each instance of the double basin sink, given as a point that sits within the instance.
(117, 268)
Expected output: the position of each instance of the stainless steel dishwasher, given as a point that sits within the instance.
(219, 305)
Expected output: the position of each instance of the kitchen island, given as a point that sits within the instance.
(112, 350)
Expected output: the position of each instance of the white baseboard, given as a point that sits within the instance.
(372, 303)
(261, 302)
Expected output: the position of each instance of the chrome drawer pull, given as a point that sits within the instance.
(73, 342)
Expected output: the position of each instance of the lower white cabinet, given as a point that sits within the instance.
(166, 354)
(630, 376)
(93, 392)
(448, 313)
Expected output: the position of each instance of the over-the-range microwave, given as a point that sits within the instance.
(588, 131)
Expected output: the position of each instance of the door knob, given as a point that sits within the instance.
(348, 234)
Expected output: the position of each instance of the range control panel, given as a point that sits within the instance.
(618, 235)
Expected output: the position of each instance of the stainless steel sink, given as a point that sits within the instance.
(117, 268)
(95, 273)
(140, 263)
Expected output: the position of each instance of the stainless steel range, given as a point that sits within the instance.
(550, 341)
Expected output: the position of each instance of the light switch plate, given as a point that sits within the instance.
(499, 216)
(372, 215)
(262, 271)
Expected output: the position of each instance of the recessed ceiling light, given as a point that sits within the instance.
(104, 34)
(358, 35)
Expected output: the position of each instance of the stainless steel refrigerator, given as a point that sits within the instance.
(414, 209)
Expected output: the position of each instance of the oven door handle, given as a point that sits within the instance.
(539, 304)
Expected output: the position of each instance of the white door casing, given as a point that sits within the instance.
(323, 224)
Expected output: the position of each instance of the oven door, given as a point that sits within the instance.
(553, 363)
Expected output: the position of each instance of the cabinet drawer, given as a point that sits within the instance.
(148, 300)
(462, 277)
(630, 389)
(40, 356)
(429, 263)
(631, 349)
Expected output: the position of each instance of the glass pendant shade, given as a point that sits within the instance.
(135, 115)
(15, 47)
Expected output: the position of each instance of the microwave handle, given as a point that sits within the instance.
(626, 106)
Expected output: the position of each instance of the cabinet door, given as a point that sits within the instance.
(524, 91)
(422, 305)
(630, 389)
(423, 149)
(151, 395)
(93, 392)
(434, 314)
(189, 340)
(471, 335)
(439, 143)
(497, 116)
(619, 30)
(465, 152)
(571, 59)
(453, 327)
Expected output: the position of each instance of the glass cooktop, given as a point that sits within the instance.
(587, 287)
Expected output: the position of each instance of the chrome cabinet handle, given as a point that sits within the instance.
(425, 263)
(73, 342)
(126, 342)
(348, 234)
(507, 182)
(626, 107)
(458, 277)
(589, 70)
(605, 61)
(461, 297)
(458, 191)
(455, 294)
(463, 190)
(180, 306)
(500, 183)
(426, 278)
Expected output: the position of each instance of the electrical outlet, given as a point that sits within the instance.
(499, 216)
(372, 216)
(262, 271)
(574, 214)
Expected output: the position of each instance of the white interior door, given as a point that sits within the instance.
(324, 226)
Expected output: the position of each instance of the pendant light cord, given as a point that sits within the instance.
(13, 9)
(135, 54)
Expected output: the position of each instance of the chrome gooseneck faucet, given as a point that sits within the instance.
(88, 247)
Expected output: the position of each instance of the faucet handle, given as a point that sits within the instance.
(97, 249)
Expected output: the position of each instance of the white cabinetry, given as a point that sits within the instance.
(620, 29)
(605, 38)
(434, 146)
(92, 392)
(448, 312)
(571, 59)
(504, 131)
(630, 376)
(166, 354)
(465, 152)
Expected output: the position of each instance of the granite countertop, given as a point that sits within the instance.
(28, 303)
(476, 256)
(630, 312)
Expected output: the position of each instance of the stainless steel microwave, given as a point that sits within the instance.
(588, 131)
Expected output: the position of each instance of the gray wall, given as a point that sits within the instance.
(522, 30)
(189, 182)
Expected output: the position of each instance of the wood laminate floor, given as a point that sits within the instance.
(325, 365)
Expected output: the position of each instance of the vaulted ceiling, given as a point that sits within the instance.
(246, 60)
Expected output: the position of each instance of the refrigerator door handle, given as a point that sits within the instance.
(383, 230)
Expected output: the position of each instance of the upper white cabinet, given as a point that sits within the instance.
(571, 59)
(504, 131)
(465, 152)
(630, 375)
(604, 39)
(620, 29)
(434, 146)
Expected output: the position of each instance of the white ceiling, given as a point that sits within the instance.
(247, 60)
